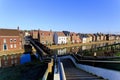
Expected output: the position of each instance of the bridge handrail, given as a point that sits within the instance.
(93, 61)
(38, 47)
(61, 69)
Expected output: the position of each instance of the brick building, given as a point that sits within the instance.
(22, 35)
(75, 38)
(34, 34)
(9, 39)
(45, 37)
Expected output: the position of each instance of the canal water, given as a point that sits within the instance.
(85, 49)
(14, 59)
(80, 49)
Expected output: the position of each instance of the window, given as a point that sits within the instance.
(4, 46)
(15, 61)
(49, 34)
(5, 57)
(14, 45)
(11, 56)
(14, 40)
(20, 43)
(43, 42)
(5, 63)
(10, 40)
(12, 62)
(4, 40)
(42, 37)
(15, 56)
(11, 46)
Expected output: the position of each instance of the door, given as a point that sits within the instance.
(5, 46)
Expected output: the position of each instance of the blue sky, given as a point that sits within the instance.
(87, 16)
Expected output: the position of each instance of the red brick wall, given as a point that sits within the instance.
(46, 36)
(8, 42)
(75, 38)
(35, 34)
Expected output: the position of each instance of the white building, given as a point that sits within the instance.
(60, 38)
(84, 40)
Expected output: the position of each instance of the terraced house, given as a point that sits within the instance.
(60, 38)
(67, 34)
(9, 39)
(75, 38)
(34, 34)
(45, 37)
(84, 38)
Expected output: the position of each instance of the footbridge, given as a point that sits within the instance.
(41, 50)
(75, 69)
(74, 73)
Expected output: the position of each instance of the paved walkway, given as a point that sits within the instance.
(73, 73)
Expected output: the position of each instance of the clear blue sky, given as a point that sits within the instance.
(74, 15)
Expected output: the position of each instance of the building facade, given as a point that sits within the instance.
(34, 34)
(75, 38)
(67, 34)
(60, 38)
(45, 37)
(10, 40)
(89, 37)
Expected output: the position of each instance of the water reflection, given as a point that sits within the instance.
(9, 60)
(61, 51)
(84, 48)
(74, 49)
(15, 59)
(87, 47)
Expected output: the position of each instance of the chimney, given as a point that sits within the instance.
(18, 28)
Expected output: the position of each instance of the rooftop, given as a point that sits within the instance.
(9, 32)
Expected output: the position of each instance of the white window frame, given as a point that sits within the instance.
(11, 45)
(11, 40)
(4, 40)
(6, 47)
(15, 46)
(15, 40)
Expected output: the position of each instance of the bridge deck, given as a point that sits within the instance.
(73, 73)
